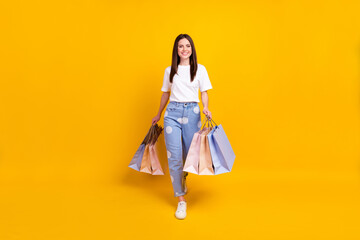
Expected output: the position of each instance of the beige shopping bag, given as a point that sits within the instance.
(145, 163)
(205, 162)
(154, 160)
(192, 158)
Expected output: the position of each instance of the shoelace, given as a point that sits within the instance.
(181, 206)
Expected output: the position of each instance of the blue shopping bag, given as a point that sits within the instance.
(218, 161)
(222, 154)
(136, 160)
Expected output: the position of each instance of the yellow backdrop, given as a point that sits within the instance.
(80, 82)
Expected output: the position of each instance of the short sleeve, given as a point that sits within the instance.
(205, 83)
(166, 81)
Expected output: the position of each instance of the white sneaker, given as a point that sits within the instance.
(181, 210)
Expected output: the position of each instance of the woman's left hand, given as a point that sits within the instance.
(207, 113)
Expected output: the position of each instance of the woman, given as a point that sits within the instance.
(182, 118)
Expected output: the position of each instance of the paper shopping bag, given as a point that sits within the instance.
(145, 162)
(224, 149)
(193, 156)
(205, 163)
(136, 160)
(142, 158)
(216, 156)
(154, 160)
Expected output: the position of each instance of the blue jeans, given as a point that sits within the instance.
(181, 121)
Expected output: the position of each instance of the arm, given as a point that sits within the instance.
(164, 99)
(205, 102)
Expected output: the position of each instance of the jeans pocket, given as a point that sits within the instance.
(171, 107)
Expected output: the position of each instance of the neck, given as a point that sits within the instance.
(184, 61)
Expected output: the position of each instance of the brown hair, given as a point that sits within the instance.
(176, 58)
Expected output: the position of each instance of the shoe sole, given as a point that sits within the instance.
(180, 218)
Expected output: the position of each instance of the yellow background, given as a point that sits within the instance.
(80, 83)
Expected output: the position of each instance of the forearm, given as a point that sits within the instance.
(205, 99)
(164, 99)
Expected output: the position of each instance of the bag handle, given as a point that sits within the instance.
(208, 122)
(148, 136)
(155, 132)
(152, 135)
(203, 124)
(211, 121)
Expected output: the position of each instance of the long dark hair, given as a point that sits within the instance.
(176, 58)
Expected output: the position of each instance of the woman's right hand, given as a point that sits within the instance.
(155, 119)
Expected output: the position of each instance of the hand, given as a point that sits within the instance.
(207, 113)
(155, 119)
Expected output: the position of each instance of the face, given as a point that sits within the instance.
(184, 48)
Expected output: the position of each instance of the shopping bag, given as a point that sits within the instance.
(216, 157)
(154, 160)
(205, 162)
(193, 156)
(223, 147)
(145, 162)
(146, 157)
(136, 160)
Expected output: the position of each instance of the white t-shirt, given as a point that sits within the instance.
(182, 89)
